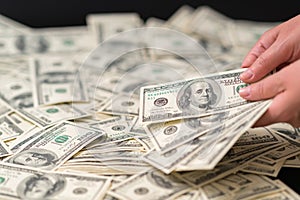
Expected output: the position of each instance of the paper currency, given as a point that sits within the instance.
(104, 26)
(168, 135)
(4, 150)
(17, 93)
(28, 183)
(151, 184)
(191, 98)
(50, 115)
(54, 146)
(55, 81)
(8, 129)
(196, 132)
(204, 152)
(56, 40)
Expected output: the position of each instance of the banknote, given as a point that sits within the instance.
(115, 129)
(244, 33)
(54, 146)
(28, 183)
(4, 150)
(9, 129)
(45, 41)
(21, 121)
(211, 25)
(222, 169)
(292, 162)
(238, 180)
(284, 152)
(122, 104)
(103, 26)
(56, 80)
(4, 108)
(268, 170)
(280, 195)
(23, 139)
(9, 26)
(136, 127)
(205, 151)
(191, 98)
(262, 186)
(154, 22)
(286, 192)
(254, 140)
(167, 162)
(214, 191)
(151, 184)
(168, 135)
(180, 18)
(44, 116)
(15, 92)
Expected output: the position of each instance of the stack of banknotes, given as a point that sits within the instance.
(127, 109)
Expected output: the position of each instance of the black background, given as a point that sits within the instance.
(46, 13)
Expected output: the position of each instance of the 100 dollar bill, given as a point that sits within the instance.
(52, 147)
(191, 98)
(56, 80)
(44, 116)
(28, 183)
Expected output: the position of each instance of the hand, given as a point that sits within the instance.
(278, 47)
(284, 86)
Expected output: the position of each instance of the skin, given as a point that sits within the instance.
(277, 48)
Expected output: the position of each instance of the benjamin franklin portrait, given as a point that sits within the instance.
(35, 44)
(39, 158)
(40, 186)
(199, 96)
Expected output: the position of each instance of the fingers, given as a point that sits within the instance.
(279, 111)
(264, 89)
(266, 40)
(274, 112)
(283, 88)
(266, 62)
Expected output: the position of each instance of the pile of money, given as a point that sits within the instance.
(127, 109)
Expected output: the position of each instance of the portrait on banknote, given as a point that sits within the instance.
(40, 158)
(197, 96)
(157, 178)
(40, 186)
(35, 44)
(22, 101)
(17, 95)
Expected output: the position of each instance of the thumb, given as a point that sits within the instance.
(264, 89)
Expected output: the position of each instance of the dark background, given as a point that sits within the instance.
(46, 13)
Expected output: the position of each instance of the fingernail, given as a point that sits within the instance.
(246, 75)
(245, 92)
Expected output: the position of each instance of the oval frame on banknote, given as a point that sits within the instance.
(58, 183)
(50, 156)
(216, 89)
